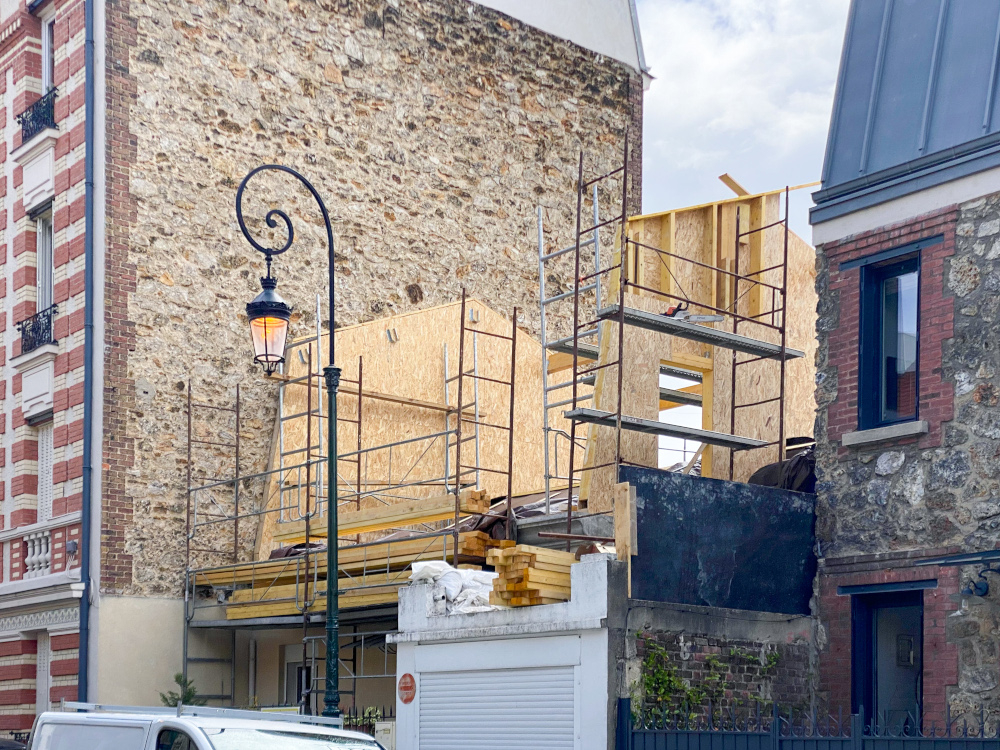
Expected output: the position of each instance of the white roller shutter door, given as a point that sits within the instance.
(500, 709)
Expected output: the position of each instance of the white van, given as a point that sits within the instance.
(94, 727)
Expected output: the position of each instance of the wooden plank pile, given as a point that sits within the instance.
(369, 575)
(290, 599)
(394, 516)
(530, 575)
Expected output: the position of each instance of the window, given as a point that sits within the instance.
(171, 739)
(45, 469)
(48, 55)
(43, 260)
(889, 356)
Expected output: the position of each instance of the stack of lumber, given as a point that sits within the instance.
(394, 516)
(369, 574)
(529, 575)
(354, 560)
(290, 599)
(479, 543)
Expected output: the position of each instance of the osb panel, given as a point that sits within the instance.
(693, 238)
(640, 397)
(412, 365)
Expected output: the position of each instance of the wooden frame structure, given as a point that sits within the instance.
(428, 442)
(686, 291)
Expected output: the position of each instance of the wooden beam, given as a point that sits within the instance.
(407, 513)
(733, 185)
(352, 560)
(626, 529)
(351, 390)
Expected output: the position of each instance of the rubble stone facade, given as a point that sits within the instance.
(432, 128)
(883, 507)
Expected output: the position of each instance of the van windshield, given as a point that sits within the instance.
(267, 739)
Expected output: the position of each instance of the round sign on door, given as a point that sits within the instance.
(407, 688)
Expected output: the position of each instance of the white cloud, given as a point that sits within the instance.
(741, 86)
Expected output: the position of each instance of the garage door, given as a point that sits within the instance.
(497, 709)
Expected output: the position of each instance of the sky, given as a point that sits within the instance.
(740, 86)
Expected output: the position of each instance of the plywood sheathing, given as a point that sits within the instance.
(640, 395)
(412, 365)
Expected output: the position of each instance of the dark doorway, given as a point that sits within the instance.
(887, 658)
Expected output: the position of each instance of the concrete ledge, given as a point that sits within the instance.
(881, 434)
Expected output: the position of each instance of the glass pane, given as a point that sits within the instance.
(43, 261)
(899, 347)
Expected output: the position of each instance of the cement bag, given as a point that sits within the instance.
(475, 594)
(472, 600)
(451, 582)
(430, 571)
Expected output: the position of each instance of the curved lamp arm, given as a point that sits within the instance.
(271, 219)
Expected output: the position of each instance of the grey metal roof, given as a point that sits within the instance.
(916, 101)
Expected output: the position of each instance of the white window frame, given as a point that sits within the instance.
(48, 55)
(44, 261)
(46, 462)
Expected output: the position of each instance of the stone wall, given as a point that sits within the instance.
(881, 507)
(432, 128)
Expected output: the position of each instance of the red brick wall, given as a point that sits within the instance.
(119, 388)
(940, 658)
(937, 313)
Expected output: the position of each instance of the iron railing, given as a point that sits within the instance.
(36, 331)
(364, 719)
(38, 117)
(653, 727)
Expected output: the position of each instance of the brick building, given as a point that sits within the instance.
(433, 128)
(907, 229)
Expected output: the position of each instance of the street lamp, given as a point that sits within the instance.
(268, 315)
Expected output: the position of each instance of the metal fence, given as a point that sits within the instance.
(775, 728)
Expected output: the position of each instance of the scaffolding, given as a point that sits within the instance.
(224, 575)
(751, 334)
(553, 435)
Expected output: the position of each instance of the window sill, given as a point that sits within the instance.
(882, 434)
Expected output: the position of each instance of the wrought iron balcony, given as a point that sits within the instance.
(38, 117)
(36, 331)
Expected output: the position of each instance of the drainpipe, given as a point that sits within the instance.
(90, 88)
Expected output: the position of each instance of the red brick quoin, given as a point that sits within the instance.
(937, 313)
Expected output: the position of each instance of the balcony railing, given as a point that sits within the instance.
(38, 117)
(36, 331)
(37, 554)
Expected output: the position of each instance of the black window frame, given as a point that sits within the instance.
(873, 276)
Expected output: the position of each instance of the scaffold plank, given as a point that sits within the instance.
(635, 424)
(701, 333)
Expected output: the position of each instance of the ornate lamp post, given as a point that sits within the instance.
(269, 315)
